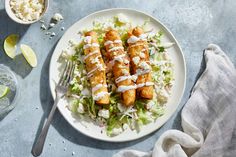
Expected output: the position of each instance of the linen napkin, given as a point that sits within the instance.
(208, 117)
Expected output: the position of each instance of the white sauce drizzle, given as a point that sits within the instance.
(126, 61)
(98, 67)
(90, 54)
(143, 36)
(99, 95)
(136, 45)
(134, 39)
(108, 42)
(116, 48)
(117, 58)
(95, 60)
(125, 88)
(136, 60)
(142, 55)
(91, 45)
(143, 50)
(90, 73)
(145, 84)
(97, 87)
(88, 39)
(122, 78)
(125, 71)
(144, 65)
(117, 41)
(142, 72)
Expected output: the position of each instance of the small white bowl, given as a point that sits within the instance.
(12, 15)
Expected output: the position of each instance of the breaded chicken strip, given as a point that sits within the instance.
(95, 68)
(140, 65)
(120, 67)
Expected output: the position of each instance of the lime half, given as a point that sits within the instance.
(10, 45)
(29, 55)
(4, 90)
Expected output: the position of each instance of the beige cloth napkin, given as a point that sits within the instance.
(208, 118)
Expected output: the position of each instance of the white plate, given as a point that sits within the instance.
(87, 127)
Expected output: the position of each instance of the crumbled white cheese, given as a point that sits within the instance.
(80, 87)
(77, 73)
(121, 107)
(65, 55)
(126, 61)
(122, 18)
(57, 17)
(72, 42)
(124, 71)
(80, 108)
(142, 55)
(134, 78)
(109, 74)
(48, 33)
(100, 67)
(162, 96)
(104, 113)
(95, 60)
(144, 65)
(125, 126)
(43, 27)
(88, 39)
(27, 10)
(167, 45)
(152, 50)
(51, 25)
(136, 60)
(116, 131)
(150, 105)
(85, 91)
(53, 34)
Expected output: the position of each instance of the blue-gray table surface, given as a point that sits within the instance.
(195, 24)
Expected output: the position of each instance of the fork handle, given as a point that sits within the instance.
(38, 146)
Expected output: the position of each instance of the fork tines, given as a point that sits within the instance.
(67, 74)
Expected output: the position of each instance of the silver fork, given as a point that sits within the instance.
(61, 89)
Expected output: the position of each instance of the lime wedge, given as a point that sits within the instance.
(10, 45)
(29, 55)
(4, 90)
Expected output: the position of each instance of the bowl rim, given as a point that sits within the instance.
(11, 14)
(13, 103)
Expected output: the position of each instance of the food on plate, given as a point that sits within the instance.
(95, 67)
(119, 61)
(108, 59)
(140, 62)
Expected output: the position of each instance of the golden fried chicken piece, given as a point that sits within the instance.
(95, 68)
(140, 65)
(120, 67)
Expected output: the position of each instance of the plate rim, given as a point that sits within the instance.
(182, 56)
